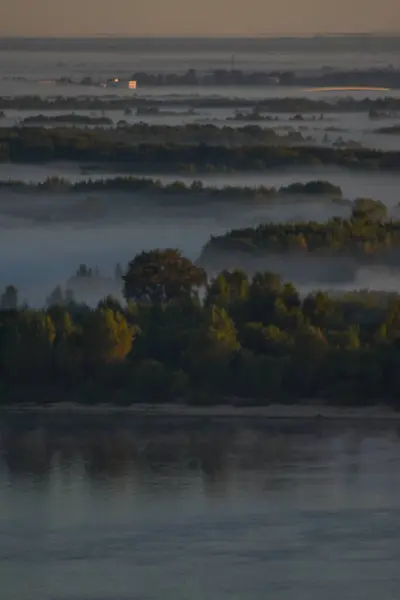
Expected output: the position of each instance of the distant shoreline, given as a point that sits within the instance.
(217, 37)
(270, 412)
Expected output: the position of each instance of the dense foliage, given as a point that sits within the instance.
(103, 140)
(220, 77)
(148, 185)
(71, 118)
(119, 146)
(180, 337)
(368, 236)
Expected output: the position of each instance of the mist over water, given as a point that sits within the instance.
(40, 255)
(383, 186)
(46, 237)
(123, 507)
(341, 128)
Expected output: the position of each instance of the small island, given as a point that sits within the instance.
(187, 148)
(385, 107)
(330, 252)
(148, 187)
(70, 119)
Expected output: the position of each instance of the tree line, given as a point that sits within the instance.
(368, 236)
(389, 78)
(30, 144)
(180, 337)
(150, 185)
(275, 105)
(73, 118)
(146, 133)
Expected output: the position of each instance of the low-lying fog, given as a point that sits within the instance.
(378, 185)
(37, 256)
(35, 173)
(45, 86)
(46, 236)
(354, 184)
(335, 127)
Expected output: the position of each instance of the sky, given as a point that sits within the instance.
(195, 17)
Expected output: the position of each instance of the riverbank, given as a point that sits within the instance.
(272, 411)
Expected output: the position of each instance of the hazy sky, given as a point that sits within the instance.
(195, 17)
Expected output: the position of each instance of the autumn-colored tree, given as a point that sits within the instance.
(106, 336)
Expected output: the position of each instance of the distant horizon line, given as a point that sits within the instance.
(125, 36)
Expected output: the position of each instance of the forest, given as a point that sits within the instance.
(368, 235)
(279, 105)
(72, 119)
(148, 185)
(180, 337)
(64, 138)
(177, 153)
(389, 78)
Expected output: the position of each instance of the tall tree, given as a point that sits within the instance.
(162, 275)
(227, 288)
(106, 336)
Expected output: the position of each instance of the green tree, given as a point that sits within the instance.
(228, 288)
(211, 351)
(161, 275)
(264, 289)
(258, 376)
(112, 303)
(308, 359)
(366, 208)
(27, 344)
(61, 319)
(152, 381)
(221, 331)
(319, 309)
(262, 339)
(167, 330)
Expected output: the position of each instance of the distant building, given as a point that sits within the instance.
(117, 83)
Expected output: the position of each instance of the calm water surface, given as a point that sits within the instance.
(119, 510)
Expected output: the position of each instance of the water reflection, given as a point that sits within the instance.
(213, 452)
(127, 509)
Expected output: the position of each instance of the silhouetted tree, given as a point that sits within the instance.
(161, 275)
(9, 299)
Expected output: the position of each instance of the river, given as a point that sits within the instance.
(120, 509)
